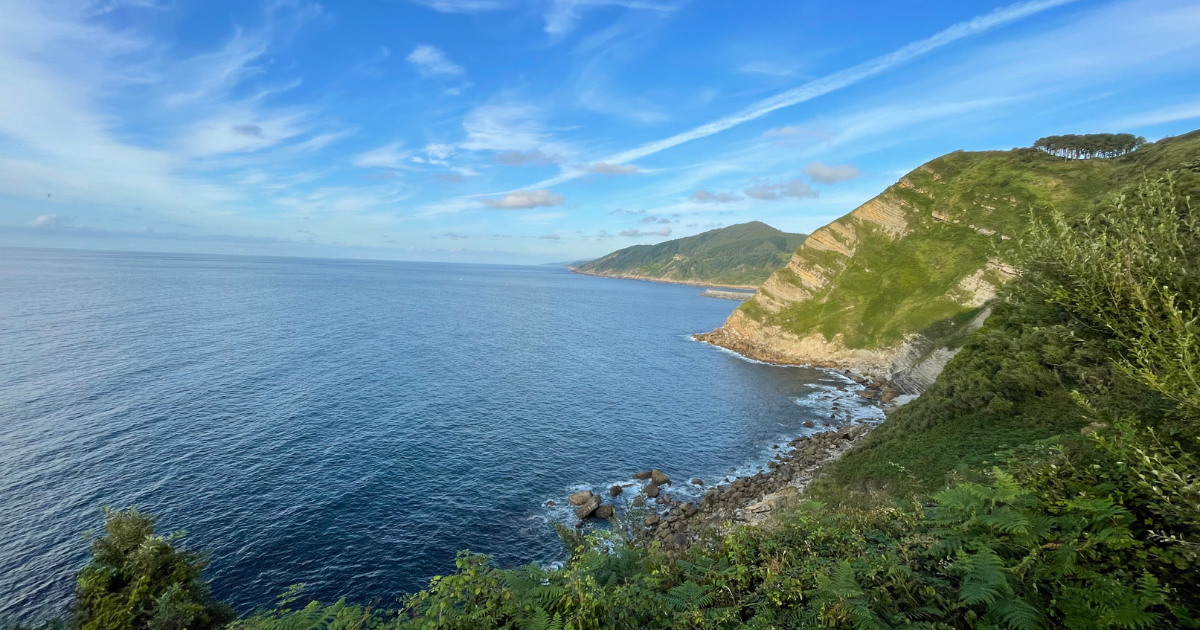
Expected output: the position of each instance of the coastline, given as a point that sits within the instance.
(653, 509)
(693, 283)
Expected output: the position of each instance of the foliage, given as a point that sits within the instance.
(739, 255)
(138, 580)
(1090, 145)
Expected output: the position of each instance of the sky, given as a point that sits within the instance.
(536, 131)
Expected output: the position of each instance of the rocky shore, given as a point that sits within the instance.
(661, 512)
(634, 276)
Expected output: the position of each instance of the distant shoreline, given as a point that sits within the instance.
(692, 283)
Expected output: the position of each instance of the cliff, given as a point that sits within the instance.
(894, 288)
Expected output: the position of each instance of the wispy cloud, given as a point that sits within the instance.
(521, 158)
(464, 6)
(835, 81)
(386, 156)
(430, 61)
(1159, 116)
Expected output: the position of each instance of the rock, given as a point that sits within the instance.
(869, 394)
(604, 511)
(615, 491)
(808, 424)
(652, 490)
(588, 508)
(888, 396)
(651, 520)
(639, 501)
(661, 499)
(580, 498)
(659, 478)
(549, 504)
(645, 474)
(697, 482)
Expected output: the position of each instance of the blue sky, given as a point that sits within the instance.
(529, 131)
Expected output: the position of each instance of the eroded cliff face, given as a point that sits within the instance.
(893, 288)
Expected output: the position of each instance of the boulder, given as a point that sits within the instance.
(867, 393)
(604, 511)
(588, 508)
(639, 501)
(652, 490)
(645, 474)
(808, 424)
(651, 520)
(549, 504)
(697, 482)
(580, 498)
(659, 478)
(615, 491)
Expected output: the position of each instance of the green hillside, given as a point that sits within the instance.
(741, 255)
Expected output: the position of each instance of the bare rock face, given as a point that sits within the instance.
(659, 478)
(580, 498)
(587, 509)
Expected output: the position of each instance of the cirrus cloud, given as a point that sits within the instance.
(430, 61)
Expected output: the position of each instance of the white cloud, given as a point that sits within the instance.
(638, 233)
(503, 128)
(564, 15)
(704, 196)
(823, 174)
(386, 156)
(771, 192)
(430, 61)
(604, 168)
(525, 199)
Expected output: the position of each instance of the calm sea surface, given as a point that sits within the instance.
(349, 424)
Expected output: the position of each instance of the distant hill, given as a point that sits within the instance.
(742, 255)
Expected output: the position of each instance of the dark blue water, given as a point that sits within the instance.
(348, 424)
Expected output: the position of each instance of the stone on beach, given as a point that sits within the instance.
(580, 498)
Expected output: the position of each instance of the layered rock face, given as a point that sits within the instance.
(893, 288)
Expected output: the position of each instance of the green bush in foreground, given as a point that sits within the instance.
(139, 580)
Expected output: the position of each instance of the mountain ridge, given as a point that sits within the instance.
(739, 256)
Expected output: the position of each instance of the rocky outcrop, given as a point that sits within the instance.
(835, 286)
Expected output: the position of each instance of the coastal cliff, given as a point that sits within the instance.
(896, 286)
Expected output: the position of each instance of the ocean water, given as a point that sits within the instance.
(349, 424)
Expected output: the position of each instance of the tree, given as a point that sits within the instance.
(1073, 146)
(137, 580)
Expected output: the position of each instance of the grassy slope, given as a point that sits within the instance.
(738, 255)
(892, 287)
(1002, 390)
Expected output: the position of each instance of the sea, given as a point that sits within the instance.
(352, 425)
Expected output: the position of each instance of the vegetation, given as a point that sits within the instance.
(742, 255)
(958, 212)
(1090, 145)
(139, 580)
(982, 505)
